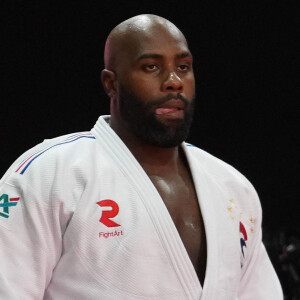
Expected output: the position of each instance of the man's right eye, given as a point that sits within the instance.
(150, 67)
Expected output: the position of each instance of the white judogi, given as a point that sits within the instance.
(80, 219)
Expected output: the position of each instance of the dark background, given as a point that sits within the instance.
(246, 65)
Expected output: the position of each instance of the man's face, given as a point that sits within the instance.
(156, 87)
(143, 121)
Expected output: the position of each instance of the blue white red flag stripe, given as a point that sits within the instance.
(25, 163)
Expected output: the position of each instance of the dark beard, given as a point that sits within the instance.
(143, 122)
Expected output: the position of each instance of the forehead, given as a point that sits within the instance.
(167, 41)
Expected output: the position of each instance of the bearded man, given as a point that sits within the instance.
(129, 210)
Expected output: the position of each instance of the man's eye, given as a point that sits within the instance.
(184, 67)
(151, 67)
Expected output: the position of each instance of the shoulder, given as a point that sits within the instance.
(60, 149)
(51, 171)
(51, 156)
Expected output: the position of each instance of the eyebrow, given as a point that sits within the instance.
(159, 56)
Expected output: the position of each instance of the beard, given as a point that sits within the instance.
(142, 120)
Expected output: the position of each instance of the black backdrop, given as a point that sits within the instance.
(246, 65)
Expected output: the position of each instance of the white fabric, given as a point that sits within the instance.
(53, 245)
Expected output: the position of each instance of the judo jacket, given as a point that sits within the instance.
(80, 219)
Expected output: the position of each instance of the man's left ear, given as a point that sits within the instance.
(108, 79)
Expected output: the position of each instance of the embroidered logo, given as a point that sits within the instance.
(6, 203)
(107, 215)
(244, 237)
(245, 225)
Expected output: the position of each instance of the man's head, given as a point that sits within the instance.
(149, 78)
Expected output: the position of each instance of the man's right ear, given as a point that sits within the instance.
(108, 79)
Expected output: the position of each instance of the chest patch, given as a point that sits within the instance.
(244, 237)
(111, 210)
(245, 225)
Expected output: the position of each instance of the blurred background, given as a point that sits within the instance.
(247, 70)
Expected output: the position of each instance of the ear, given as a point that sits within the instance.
(108, 79)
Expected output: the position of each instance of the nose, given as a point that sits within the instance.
(173, 83)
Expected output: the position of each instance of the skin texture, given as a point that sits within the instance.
(148, 70)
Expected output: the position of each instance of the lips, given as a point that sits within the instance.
(172, 108)
(162, 111)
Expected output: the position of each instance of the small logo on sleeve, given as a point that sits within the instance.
(6, 203)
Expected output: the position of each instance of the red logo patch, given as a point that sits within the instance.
(107, 215)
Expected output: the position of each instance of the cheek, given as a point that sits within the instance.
(189, 87)
(145, 88)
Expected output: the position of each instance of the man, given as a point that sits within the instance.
(128, 210)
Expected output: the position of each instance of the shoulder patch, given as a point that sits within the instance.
(69, 139)
(6, 202)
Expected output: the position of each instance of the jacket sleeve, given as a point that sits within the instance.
(30, 238)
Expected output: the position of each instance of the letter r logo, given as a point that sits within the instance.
(108, 214)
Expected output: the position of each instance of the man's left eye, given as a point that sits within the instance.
(183, 67)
